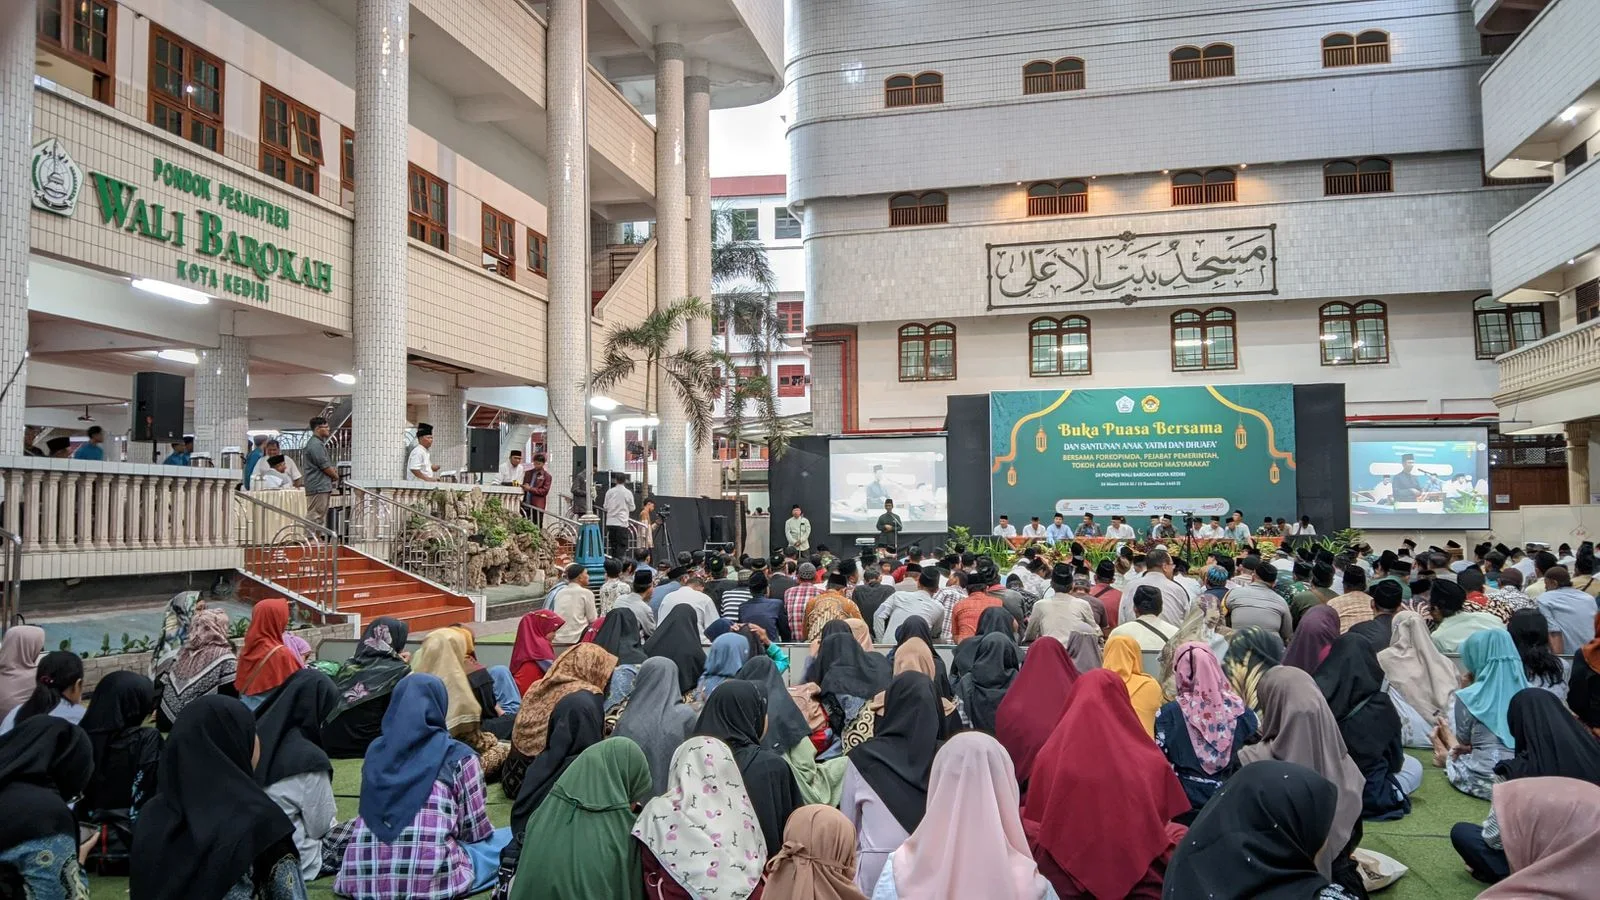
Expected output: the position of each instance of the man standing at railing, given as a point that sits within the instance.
(320, 474)
(536, 489)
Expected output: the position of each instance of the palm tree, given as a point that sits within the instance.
(692, 375)
(742, 392)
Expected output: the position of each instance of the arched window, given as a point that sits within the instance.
(926, 208)
(913, 90)
(1189, 63)
(1058, 346)
(1203, 340)
(1193, 188)
(1373, 175)
(1366, 48)
(1042, 76)
(1498, 328)
(1354, 335)
(928, 352)
(1057, 198)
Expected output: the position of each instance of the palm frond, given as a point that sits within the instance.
(692, 377)
(615, 367)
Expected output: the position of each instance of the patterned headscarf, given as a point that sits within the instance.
(1209, 705)
(703, 830)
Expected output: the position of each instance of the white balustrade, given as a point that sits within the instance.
(1567, 359)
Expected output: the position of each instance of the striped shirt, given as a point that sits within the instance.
(732, 599)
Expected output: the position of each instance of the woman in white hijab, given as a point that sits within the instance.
(1421, 679)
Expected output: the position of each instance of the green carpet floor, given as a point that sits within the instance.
(1420, 840)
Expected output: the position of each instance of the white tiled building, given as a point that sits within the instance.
(1541, 114)
(1005, 195)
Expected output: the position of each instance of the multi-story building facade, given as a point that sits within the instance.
(757, 207)
(395, 203)
(1112, 193)
(1541, 115)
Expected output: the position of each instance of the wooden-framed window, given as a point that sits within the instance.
(1498, 328)
(791, 381)
(785, 225)
(291, 140)
(1057, 198)
(347, 159)
(1042, 76)
(926, 208)
(792, 316)
(538, 253)
(1355, 334)
(1194, 188)
(1373, 175)
(913, 90)
(1364, 49)
(83, 32)
(1587, 299)
(928, 352)
(429, 219)
(499, 243)
(1058, 346)
(186, 85)
(1190, 63)
(1204, 340)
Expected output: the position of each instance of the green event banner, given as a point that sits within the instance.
(1206, 450)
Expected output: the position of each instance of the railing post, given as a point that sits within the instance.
(50, 527)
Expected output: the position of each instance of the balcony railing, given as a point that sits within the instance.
(1197, 194)
(1566, 359)
(918, 215)
(1358, 183)
(919, 95)
(1058, 205)
(1358, 55)
(1193, 69)
(1052, 82)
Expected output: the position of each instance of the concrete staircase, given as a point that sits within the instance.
(367, 587)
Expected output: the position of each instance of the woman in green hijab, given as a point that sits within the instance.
(579, 843)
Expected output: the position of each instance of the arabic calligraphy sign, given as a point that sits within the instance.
(1127, 267)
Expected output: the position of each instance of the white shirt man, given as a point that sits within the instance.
(512, 470)
(1033, 531)
(1238, 531)
(275, 478)
(694, 596)
(576, 605)
(1120, 529)
(1302, 528)
(1005, 529)
(1210, 531)
(1175, 597)
(1058, 530)
(902, 605)
(618, 506)
(419, 465)
(264, 471)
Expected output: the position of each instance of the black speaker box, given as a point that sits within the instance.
(483, 450)
(157, 407)
(720, 532)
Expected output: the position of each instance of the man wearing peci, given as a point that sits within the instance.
(889, 527)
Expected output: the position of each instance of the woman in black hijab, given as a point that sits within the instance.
(833, 626)
(576, 724)
(994, 620)
(980, 690)
(736, 715)
(620, 635)
(896, 762)
(1258, 837)
(1549, 743)
(44, 762)
(365, 682)
(293, 767)
(918, 627)
(126, 755)
(786, 726)
(211, 828)
(677, 638)
(848, 677)
(1351, 680)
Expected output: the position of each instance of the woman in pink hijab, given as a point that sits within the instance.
(970, 842)
(1549, 828)
(19, 665)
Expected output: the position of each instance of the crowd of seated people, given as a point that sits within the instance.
(1231, 732)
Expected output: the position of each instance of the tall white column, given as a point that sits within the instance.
(704, 474)
(18, 30)
(1578, 463)
(567, 315)
(671, 247)
(447, 413)
(222, 397)
(383, 64)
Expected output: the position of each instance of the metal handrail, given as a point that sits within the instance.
(376, 517)
(313, 573)
(11, 587)
(556, 526)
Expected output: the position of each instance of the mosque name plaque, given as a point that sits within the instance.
(1129, 267)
